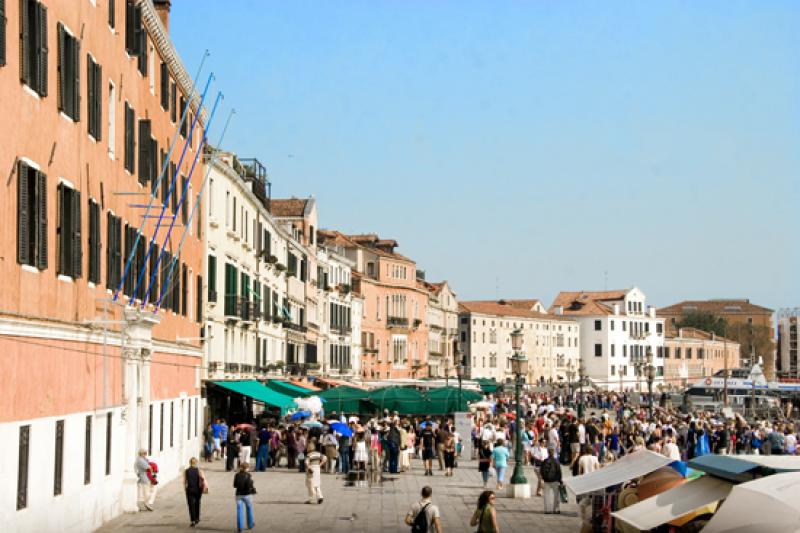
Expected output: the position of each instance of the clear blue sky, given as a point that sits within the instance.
(522, 148)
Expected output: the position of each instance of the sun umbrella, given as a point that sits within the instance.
(342, 429)
(245, 426)
(768, 504)
(299, 415)
(311, 424)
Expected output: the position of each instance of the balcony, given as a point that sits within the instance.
(295, 327)
(231, 368)
(232, 310)
(245, 310)
(215, 366)
(396, 322)
(254, 172)
(341, 330)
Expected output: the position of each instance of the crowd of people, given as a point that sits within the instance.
(556, 441)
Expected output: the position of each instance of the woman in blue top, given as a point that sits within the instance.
(500, 462)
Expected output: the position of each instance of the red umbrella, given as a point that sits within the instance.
(245, 426)
(510, 416)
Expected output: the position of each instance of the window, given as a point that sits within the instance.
(31, 216)
(677, 353)
(659, 328)
(112, 120)
(69, 80)
(58, 466)
(183, 114)
(613, 350)
(173, 108)
(70, 249)
(184, 289)
(598, 350)
(87, 452)
(688, 353)
(171, 424)
(145, 147)
(666, 352)
(94, 106)
(113, 251)
(94, 242)
(700, 353)
(184, 203)
(2, 32)
(212, 278)
(624, 326)
(33, 46)
(23, 455)
(150, 431)
(611, 325)
(161, 429)
(112, 14)
(130, 138)
(598, 325)
(613, 369)
(109, 421)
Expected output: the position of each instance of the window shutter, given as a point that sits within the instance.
(153, 298)
(24, 43)
(173, 106)
(184, 289)
(98, 101)
(198, 314)
(164, 86)
(61, 230)
(76, 81)
(90, 109)
(61, 67)
(141, 267)
(144, 150)
(112, 13)
(130, 27)
(77, 243)
(130, 138)
(23, 215)
(41, 229)
(94, 242)
(173, 199)
(42, 50)
(184, 210)
(110, 251)
(152, 157)
(141, 45)
(127, 288)
(2, 32)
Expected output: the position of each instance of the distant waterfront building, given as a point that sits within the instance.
(551, 342)
(690, 354)
(617, 329)
(442, 321)
(787, 364)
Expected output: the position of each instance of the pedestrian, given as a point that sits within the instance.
(223, 438)
(428, 442)
(194, 484)
(244, 445)
(551, 476)
(209, 444)
(538, 455)
(330, 445)
(300, 444)
(216, 429)
(449, 454)
(424, 515)
(484, 461)
(393, 442)
(485, 516)
(232, 450)
(500, 462)
(146, 480)
(243, 483)
(360, 455)
(344, 454)
(262, 453)
(314, 463)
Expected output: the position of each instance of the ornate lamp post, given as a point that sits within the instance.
(651, 376)
(460, 375)
(519, 487)
(581, 377)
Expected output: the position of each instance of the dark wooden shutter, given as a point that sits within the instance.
(183, 111)
(110, 252)
(98, 101)
(61, 67)
(76, 80)
(61, 230)
(152, 158)
(184, 288)
(94, 242)
(77, 242)
(127, 286)
(130, 27)
(23, 455)
(153, 297)
(41, 228)
(130, 138)
(24, 43)
(87, 452)
(184, 209)
(141, 267)
(164, 87)
(58, 469)
(141, 36)
(144, 150)
(24, 221)
(112, 13)
(173, 105)
(198, 313)
(2, 32)
(42, 50)
(90, 96)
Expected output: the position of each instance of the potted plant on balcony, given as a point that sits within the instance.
(312, 366)
(280, 267)
(417, 323)
(271, 259)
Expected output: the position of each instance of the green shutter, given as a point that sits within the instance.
(41, 216)
(24, 221)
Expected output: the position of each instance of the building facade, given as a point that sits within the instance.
(617, 329)
(690, 354)
(244, 325)
(753, 326)
(550, 342)
(786, 362)
(92, 94)
(442, 321)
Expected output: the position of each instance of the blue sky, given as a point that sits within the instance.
(522, 148)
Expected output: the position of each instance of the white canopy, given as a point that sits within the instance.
(674, 503)
(768, 504)
(628, 467)
(777, 462)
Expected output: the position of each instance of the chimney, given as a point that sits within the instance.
(162, 8)
(616, 309)
(652, 311)
(559, 309)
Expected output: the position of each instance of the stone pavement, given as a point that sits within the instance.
(280, 504)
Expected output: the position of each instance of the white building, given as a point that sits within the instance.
(617, 329)
(551, 343)
(340, 312)
(246, 274)
(442, 320)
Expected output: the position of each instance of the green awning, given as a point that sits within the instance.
(289, 389)
(488, 385)
(444, 400)
(260, 393)
(347, 400)
(404, 400)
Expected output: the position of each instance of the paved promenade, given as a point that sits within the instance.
(280, 504)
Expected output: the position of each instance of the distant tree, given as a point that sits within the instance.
(755, 341)
(704, 321)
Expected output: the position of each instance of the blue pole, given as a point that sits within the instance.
(199, 196)
(154, 192)
(171, 189)
(183, 196)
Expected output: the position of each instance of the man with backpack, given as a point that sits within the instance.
(424, 515)
(551, 476)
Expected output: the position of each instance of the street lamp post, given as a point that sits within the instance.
(580, 389)
(651, 376)
(460, 375)
(519, 487)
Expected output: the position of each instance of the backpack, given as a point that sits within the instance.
(549, 470)
(420, 524)
(152, 473)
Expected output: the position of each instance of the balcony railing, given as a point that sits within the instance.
(232, 310)
(295, 327)
(246, 310)
(342, 330)
(231, 368)
(397, 322)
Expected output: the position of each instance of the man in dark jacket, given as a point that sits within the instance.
(393, 443)
(551, 476)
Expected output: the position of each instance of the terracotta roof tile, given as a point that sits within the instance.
(587, 302)
(503, 308)
(524, 304)
(290, 207)
(717, 307)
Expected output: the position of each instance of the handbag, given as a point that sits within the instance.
(562, 493)
(203, 485)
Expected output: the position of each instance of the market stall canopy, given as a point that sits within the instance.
(404, 400)
(768, 504)
(488, 385)
(743, 468)
(674, 503)
(346, 400)
(258, 392)
(445, 400)
(289, 389)
(631, 466)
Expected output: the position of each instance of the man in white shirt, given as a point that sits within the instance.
(581, 434)
(425, 505)
(670, 450)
